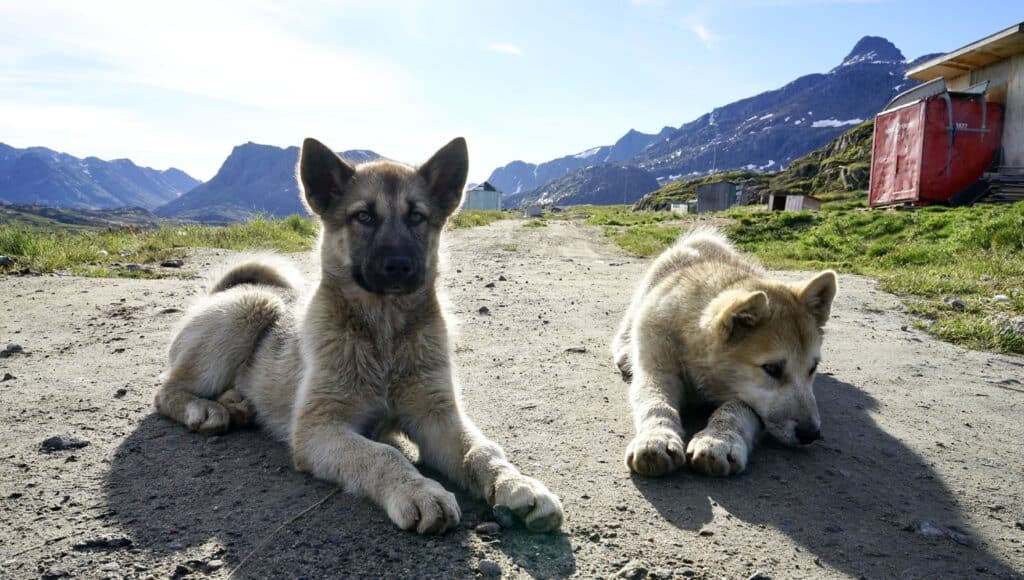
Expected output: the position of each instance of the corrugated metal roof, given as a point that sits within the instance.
(978, 54)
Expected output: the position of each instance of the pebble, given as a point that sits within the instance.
(102, 543)
(502, 279)
(705, 532)
(488, 528)
(62, 443)
(954, 302)
(489, 285)
(489, 568)
(103, 253)
(8, 377)
(1001, 298)
(110, 567)
(633, 570)
(172, 263)
(759, 575)
(10, 349)
(484, 311)
(120, 393)
(576, 349)
(125, 253)
(6, 262)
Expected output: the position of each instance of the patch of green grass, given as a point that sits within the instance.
(474, 218)
(535, 223)
(923, 255)
(80, 251)
(510, 247)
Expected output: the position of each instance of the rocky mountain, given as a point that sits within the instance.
(38, 175)
(520, 176)
(600, 184)
(254, 179)
(762, 133)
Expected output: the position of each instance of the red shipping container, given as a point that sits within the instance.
(923, 155)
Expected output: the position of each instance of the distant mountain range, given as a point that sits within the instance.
(600, 184)
(254, 179)
(520, 176)
(761, 133)
(38, 175)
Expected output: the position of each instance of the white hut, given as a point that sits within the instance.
(482, 197)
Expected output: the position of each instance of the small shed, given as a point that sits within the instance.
(482, 197)
(793, 202)
(715, 196)
(679, 208)
(532, 211)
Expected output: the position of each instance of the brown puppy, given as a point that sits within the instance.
(364, 358)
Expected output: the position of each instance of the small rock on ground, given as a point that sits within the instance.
(62, 443)
(954, 302)
(6, 262)
(484, 311)
(489, 568)
(633, 570)
(8, 377)
(172, 263)
(488, 528)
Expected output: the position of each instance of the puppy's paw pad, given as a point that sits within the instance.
(530, 501)
(717, 453)
(655, 453)
(424, 506)
(207, 417)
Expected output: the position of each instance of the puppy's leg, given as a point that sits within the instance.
(621, 347)
(452, 444)
(723, 446)
(176, 400)
(657, 449)
(325, 444)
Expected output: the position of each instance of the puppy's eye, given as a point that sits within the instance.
(364, 217)
(416, 217)
(814, 367)
(773, 370)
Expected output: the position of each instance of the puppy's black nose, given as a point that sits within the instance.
(807, 435)
(397, 266)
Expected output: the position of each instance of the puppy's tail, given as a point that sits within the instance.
(267, 270)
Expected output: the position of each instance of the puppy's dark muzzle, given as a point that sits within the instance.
(394, 274)
(807, 435)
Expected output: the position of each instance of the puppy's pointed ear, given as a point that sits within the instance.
(733, 311)
(323, 174)
(817, 295)
(445, 174)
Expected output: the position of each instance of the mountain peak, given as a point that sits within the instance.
(873, 49)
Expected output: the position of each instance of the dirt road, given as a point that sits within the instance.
(920, 474)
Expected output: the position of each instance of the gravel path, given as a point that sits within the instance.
(920, 474)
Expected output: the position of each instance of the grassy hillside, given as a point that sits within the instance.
(96, 252)
(832, 172)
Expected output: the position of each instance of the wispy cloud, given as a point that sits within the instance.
(506, 49)
(709, 38)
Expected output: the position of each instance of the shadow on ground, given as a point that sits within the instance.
(855, 501)
(190, 500)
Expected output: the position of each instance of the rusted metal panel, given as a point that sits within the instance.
(896, 155)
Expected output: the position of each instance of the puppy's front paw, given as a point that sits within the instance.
(207, 417)
(424, 505)
(717, 453)
(529, 500)
(655, 453)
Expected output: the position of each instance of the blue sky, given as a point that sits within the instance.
(181, 83)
